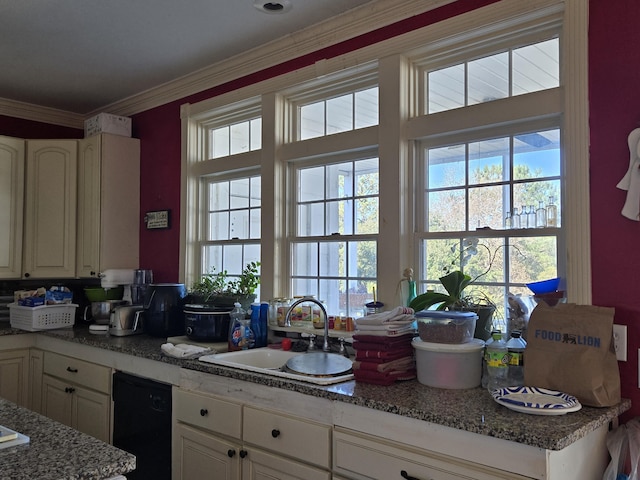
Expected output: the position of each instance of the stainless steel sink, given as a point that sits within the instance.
(268, 361)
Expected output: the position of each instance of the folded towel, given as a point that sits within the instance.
(183, 350)
(395, 315)
(400, 365)
(405, 341)
(389, 330)
(382, 340)
(377, 356)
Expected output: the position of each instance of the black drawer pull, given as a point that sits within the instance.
(405, 475)
(275, 433)
(231, 452)
(243, 453)
(204, 412)
(72, 370)
(69, 389)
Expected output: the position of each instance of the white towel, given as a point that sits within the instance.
(398, 314)
(183, 350)
(631, 180)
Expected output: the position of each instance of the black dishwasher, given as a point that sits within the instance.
(142, 424)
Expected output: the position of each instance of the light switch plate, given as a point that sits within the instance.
(620, 342)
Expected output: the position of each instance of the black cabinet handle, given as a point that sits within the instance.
(69, 389)
(72, 370)
(405, 475)
(231, 452)
(204, 412)
(27, 275)
(243, 453)
(275, 433)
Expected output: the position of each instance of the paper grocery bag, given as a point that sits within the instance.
(570, 349)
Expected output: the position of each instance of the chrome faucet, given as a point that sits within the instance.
(287, 319)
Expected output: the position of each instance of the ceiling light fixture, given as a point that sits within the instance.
(274, 8)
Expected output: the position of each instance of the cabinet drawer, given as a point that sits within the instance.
(306, 441)
(366, 457)
(90, 375)
(208, 413)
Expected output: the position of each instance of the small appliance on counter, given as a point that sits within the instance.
(162, 313)
(113, 278)
(141, 281)
(206, 322)
(125, 320)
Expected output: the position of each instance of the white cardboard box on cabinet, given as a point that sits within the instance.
(107, 123)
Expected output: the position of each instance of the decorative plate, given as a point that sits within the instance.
(536, 401)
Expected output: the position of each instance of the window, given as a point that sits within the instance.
(493, 186)
(233, 224)
(334, 249)
(517, 71)
(236, 138)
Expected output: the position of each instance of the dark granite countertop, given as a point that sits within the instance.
(55, 451)
(472, 410)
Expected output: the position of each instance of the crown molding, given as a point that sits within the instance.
(36, 113)
(349, 25)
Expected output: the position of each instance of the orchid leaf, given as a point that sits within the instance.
(454, 283)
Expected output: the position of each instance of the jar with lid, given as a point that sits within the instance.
(282, 307)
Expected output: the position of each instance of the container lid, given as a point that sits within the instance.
(473, 345)
(442, 314)
(204, 308)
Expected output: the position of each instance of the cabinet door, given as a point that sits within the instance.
(36, 361)
(91, 412)
(56, 400)
(50, 209)
(197, 455)
(11, 198)
(259, 465)
(14, 376)
(108, 203)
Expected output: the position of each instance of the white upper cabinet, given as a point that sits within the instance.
(50, 209)
(108, 204)
(12, 200)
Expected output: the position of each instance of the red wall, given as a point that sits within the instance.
(17, 127)
(614, 111)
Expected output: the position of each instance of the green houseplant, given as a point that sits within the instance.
(459, 295)
(216, 288)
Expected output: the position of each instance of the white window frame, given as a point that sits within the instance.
(398, 126)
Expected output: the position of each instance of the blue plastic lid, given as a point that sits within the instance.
(441, 314)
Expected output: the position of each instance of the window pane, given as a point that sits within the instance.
(536, 155)
(239, 193)
(218, 226)
(254, 223)
(220, 142)
(239, 227)
(366, 173)
(367, 215)
(219, 196)
(305, 259)
(446, 89)
(440, 257)
(362, 259)
(256, 133)
(311, 184)
(446, 211)
(366, 109)
(239, 138)
(312, 120)
(485, 207)
(537, 193)
(537, 261)
(339, 180)
(310, 219)
(256, 192)
(340, 114)
(488, 161)
(332, 259)
(536, 67)
(488, 78)
(446, 166)
(212, 259)
(339, 217)
(304, 286)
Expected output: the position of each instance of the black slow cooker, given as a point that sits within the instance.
(206, 322)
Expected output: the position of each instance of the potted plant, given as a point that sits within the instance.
(217, 289)
(458, 295)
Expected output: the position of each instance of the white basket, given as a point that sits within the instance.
(44, 317)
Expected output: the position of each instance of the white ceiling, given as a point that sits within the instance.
(79, 56)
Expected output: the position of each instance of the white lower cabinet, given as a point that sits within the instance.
(215, 438)
(367, 457)
(14, 376)
(78, 394)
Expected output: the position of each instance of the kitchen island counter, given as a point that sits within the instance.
(55, 451)
(471, 410)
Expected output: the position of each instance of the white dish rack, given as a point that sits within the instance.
(44, 317)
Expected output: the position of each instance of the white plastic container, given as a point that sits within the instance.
(445, 365)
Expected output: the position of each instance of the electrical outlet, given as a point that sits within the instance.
(620, 341)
